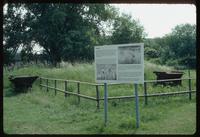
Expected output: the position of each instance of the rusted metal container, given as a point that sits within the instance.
(22, 82)
(162, 75)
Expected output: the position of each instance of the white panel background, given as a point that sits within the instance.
(104, 47)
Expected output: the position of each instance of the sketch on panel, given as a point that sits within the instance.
(106, 72)
(129, 55)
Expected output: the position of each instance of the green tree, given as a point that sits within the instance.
(177, 48)
(27, 55)
(127, 30)
(65, 31)
(68, 31)
(154, 48)
(181, 45)
(14, 31)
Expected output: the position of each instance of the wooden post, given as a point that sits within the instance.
(145, 90)
(47, 86)
(189, 84)
(65, 88)
(145, 93)
(137, 106)
(97, 95)
(40, 83)
(78, 91)
(105, 104)
(55, 85)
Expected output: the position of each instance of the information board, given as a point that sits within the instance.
(120, 63)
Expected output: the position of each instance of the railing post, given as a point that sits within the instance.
(47, 86)
(145, 92)
(137, 106)
(55, 85)
(78, 91)
(189, 84)
(65, 88)
(105, 104)
(97, 95)
(40, 83)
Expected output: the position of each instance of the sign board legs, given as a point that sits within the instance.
(105, 103)
(136, 106)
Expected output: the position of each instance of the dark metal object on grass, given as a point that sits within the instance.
(162, 75)
(22, 82)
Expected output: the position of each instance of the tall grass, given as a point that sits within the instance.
(41, 112)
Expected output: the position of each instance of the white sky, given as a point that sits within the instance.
(159, 19)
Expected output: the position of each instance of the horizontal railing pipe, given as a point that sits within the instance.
(97, 84)
(97, 98)
(68, 92)
(149, 95)
(72, 81)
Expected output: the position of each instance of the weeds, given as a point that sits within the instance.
(41, 112)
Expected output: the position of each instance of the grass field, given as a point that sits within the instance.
(41, 112)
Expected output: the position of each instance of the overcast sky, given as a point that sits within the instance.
(159, 19)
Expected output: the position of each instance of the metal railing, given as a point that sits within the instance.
(98, 99)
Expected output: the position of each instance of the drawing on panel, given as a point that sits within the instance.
(106, 72)
(129, 55)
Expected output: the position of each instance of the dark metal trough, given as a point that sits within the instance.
(22, 82)
(162, 75)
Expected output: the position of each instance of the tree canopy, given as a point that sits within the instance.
(66, 31)
(177, 48)
(127, 30)
(69, 32)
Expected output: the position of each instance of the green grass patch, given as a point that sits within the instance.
(41, 112)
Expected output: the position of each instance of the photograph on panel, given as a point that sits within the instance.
(129, 55)
(106, 72)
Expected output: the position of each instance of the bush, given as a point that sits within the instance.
(155, 60)
(151, 53)
(171, 62)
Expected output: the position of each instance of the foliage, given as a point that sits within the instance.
(151, 53)
(8, 56)
(127, 30)
(182, 45)
(69, 32)
(27, 55)
(14, 34)
(153, 48)
(65, 31)
(177, 48)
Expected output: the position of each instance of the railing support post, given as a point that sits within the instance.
(137, 106)
(55, 85)
(97, 95)
(47, 86)
(145, 92)
(78, 91)
(105, 104)
(189, 84)
(40, 83)
(65, 88)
